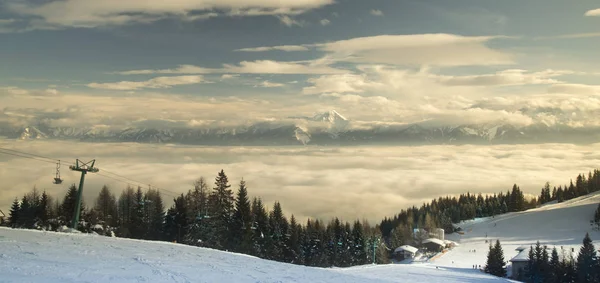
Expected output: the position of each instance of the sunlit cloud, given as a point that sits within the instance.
(269, 84)
(593, 13)
(415, 49)
(378, 13)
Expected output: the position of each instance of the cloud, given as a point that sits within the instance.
(593, 13)
(52, 91)
(289, 21)
(475, 116)
(287, 48)
(377, 13)
(307, 181)
(6, 21)
(575, 89)
(229, 76)
(341, 83)
(419, 49)
(505, 78)
(249, 67)
(445, 50)
(570, 36)
(181, 69)
(269, 84)
(91, 13)
(405, 83)
(276, 67)
(11, 90)
(158, 82)
(325, 22)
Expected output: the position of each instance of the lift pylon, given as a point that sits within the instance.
(84, 168)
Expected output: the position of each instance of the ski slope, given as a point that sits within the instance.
(556, 225)
(35, 256)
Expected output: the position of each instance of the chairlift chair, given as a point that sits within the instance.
(57, 179)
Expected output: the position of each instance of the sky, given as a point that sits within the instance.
(85, 63)
(385, 61)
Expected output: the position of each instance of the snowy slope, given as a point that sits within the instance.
(555, 225)
(33, 256)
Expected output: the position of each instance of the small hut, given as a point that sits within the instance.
(405, 252)
(434, 245)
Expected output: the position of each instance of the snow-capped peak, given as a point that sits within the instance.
(330, 116)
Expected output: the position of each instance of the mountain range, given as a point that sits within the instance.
(328, 128)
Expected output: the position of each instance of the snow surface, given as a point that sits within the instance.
(555, 225)
(36, 256)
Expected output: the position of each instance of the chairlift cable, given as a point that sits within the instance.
(57, 161)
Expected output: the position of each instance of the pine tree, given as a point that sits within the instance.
(569, 271)
(293, 242)
(138, 220)
(571, 191)
(545, 265)
(26, 215)
(14, 214)
(241, 225)
(359, 252)
(530, 271)
(597, 217)
(155, 210)
(495, 260)
(221, 209)
(278, 232)
(106, 207)
(586, 262)
(198, 213)
(581, 186)
(545, 194)
(560, 195)
(68, 206)
(260, 221)
(126, 210)
(538, 266)
(555, 270)
(176, 221)
(43, 209)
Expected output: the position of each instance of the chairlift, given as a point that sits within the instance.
(57, 179)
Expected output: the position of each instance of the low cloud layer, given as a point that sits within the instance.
(381, 97)
(353, 182)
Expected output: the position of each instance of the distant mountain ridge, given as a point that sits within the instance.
(328, 128)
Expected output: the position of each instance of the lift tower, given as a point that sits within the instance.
(84, 168)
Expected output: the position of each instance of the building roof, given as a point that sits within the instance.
(407, 248)
(435, 241)
(562, 252)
